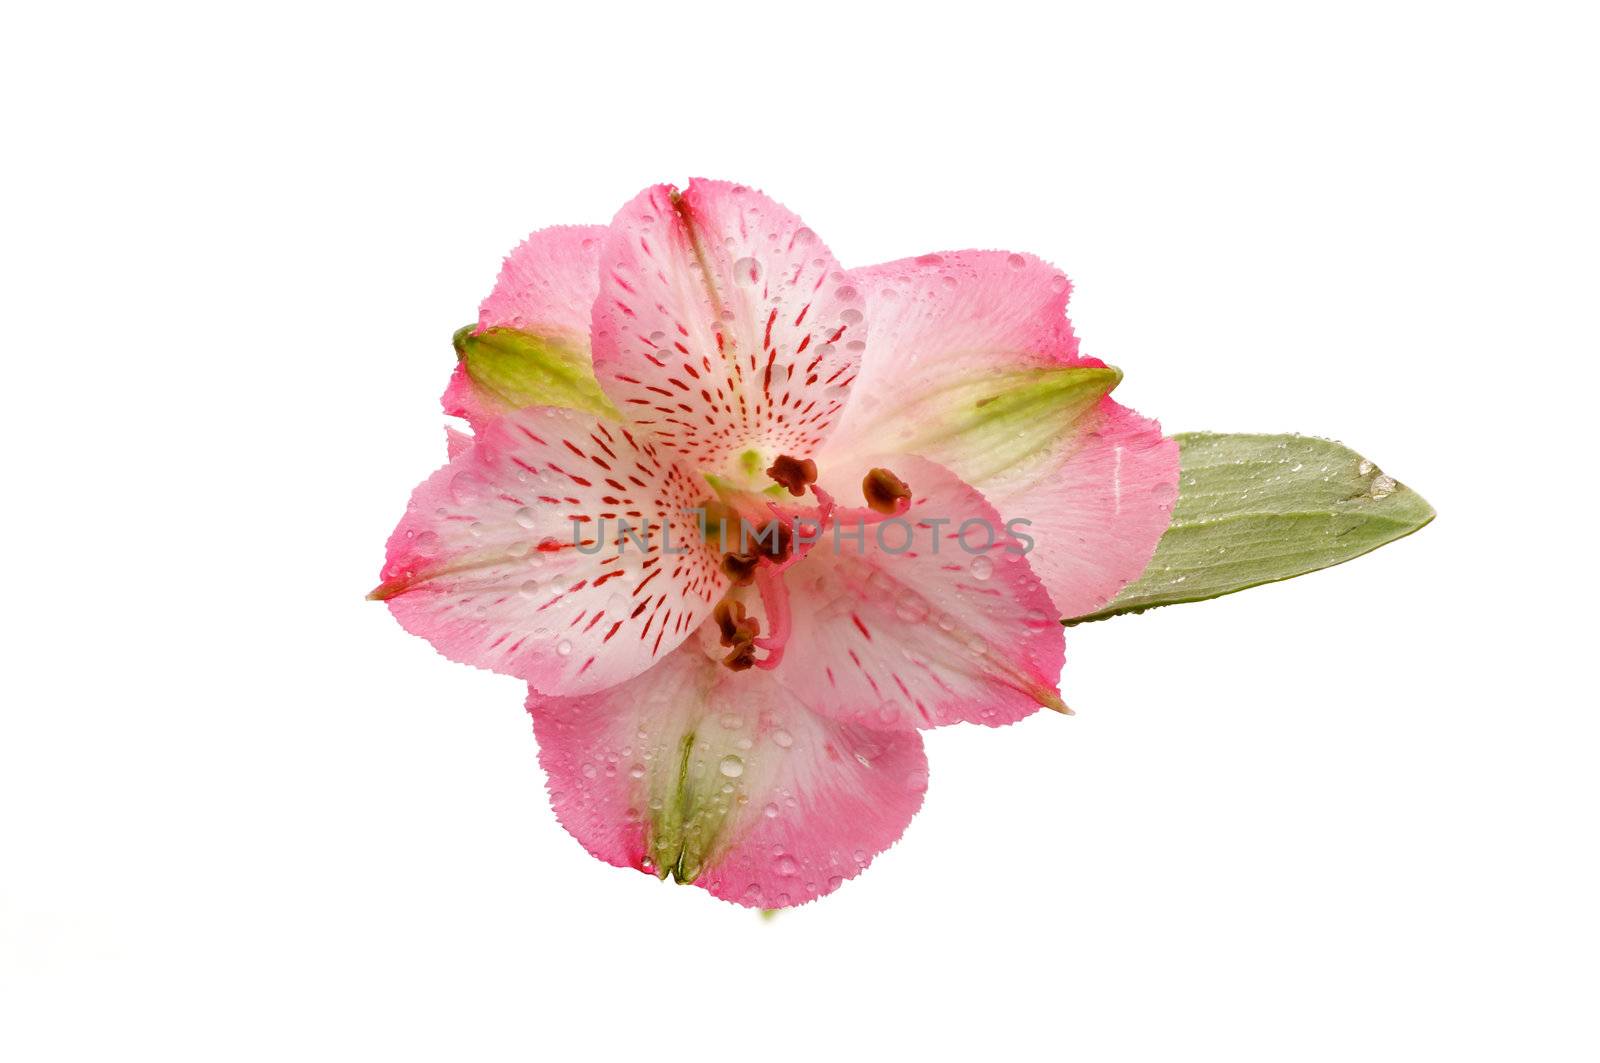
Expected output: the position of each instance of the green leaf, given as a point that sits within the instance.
(512, 369)
(1256, 509)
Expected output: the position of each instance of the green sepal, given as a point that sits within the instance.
(1256, 509)
(512, 369)
(983, 425)
(690, 800)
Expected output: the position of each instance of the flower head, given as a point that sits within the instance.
(745, 521)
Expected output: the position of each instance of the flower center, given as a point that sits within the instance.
(758, 539)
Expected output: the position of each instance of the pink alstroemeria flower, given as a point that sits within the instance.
(747, 720)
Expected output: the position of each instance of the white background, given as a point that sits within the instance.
(243, 816)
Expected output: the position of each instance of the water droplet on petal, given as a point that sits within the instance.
(746, 272)
(526, 517)
(564, 648)
(982, 567)
(912, 608)
(731, 766)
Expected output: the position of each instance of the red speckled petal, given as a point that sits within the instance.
(723, 324)
(1098, 487)
(723, 779)
(486, 563)
(928, 621)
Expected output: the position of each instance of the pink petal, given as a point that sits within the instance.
(462, 399)
(484, 565)
(548, 284)
(1100, 489)
(723, 779)
(456, 442)
(928, 636)
(723, 324)
(1099, 502)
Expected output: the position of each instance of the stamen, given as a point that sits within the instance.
(742, 657)
(775, 540)
(775, 599)
(735, 625)
(885, 491)
(740, 568)
(794, 473)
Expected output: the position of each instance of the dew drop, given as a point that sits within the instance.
(746, 272)
(982, 567)
(783, 738)
(526, 517)
(912, 608)
(731, 766)
(464, 487)
(787, 866)
(1016, 261)
(529, 588)
(564, 648)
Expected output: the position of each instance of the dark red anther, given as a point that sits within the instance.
(741, 568)
(885, 491)
(775, 539)
(794, 473)
(743, 656)
(735, 625)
